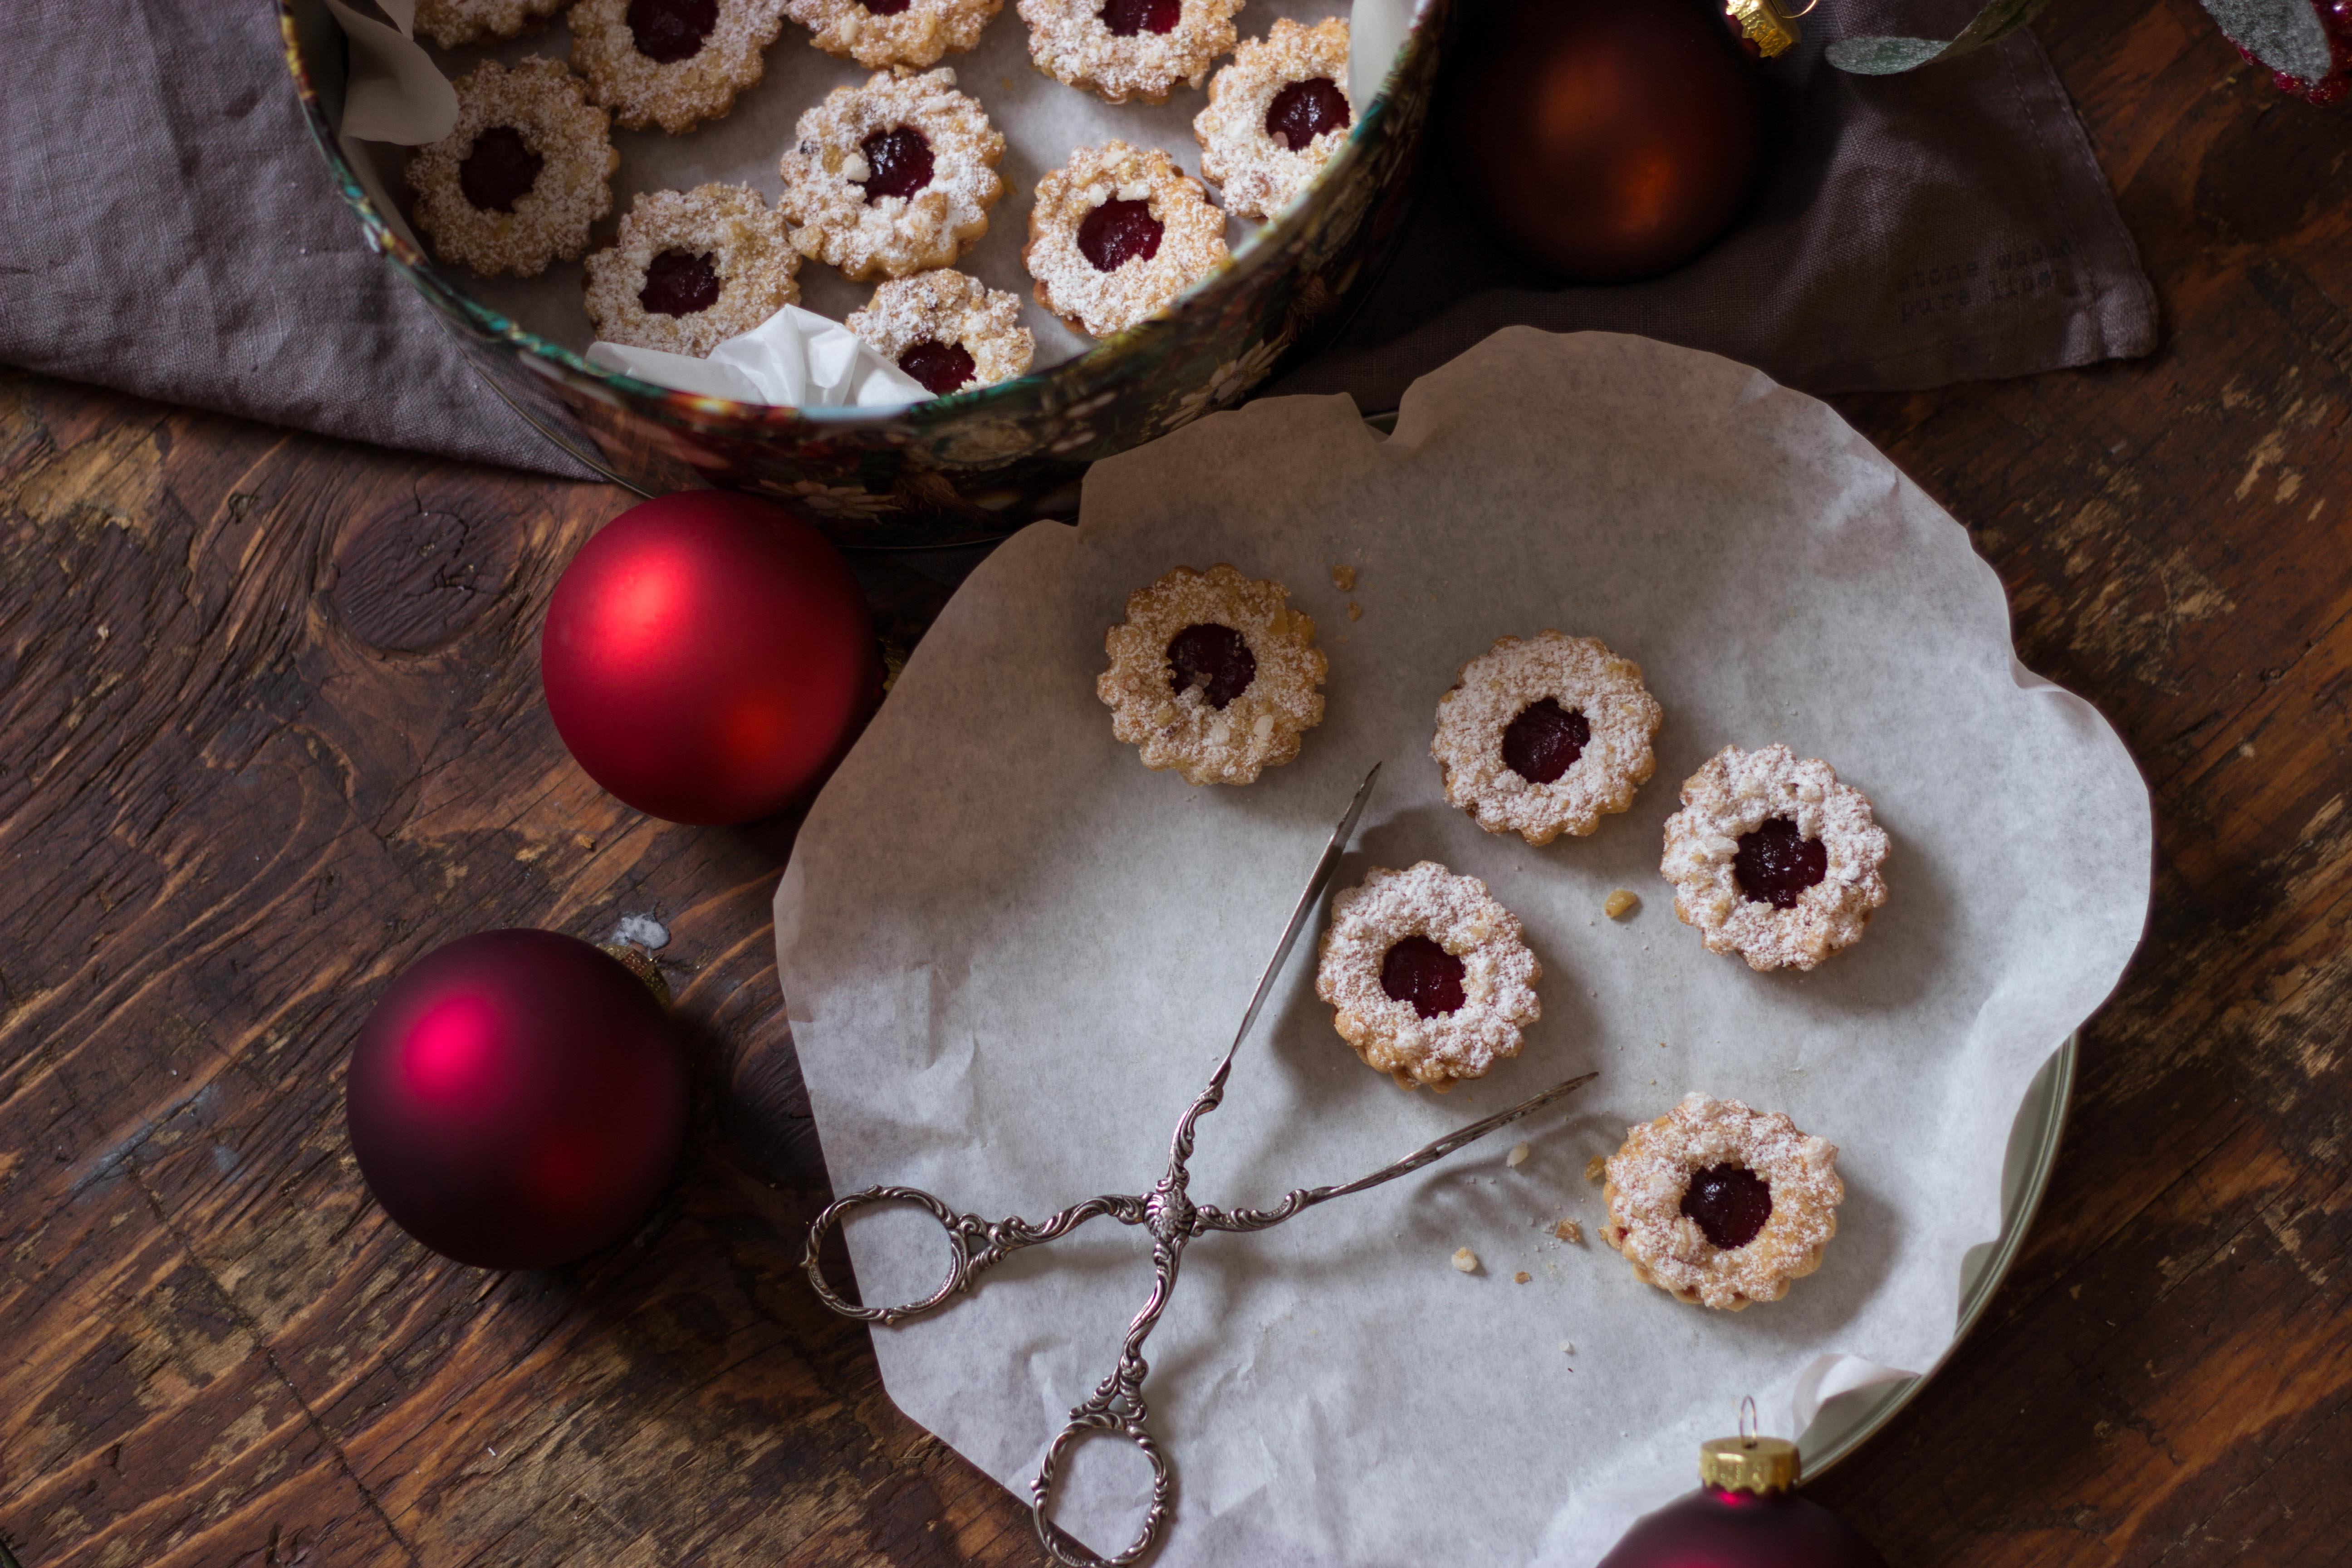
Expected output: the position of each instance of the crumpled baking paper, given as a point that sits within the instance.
(794, 359)
(1010, 955)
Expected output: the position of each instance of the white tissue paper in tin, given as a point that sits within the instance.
(794, 359)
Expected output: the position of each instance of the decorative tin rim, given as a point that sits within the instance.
(1256, 250)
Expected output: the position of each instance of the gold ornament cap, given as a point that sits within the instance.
(1749, 1462)
(1771, 29)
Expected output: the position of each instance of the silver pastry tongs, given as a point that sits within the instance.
(1117, 1405)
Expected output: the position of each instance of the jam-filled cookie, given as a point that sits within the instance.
(1213, 674)
(1773, 858)
(1117, 233)
(527, 170)
(1129, 48)
(877, 33)
(1545, 736)
(1427, 976)
(450, 23)
(1720, 1205)
(1275, 115)
(892, 177)
(691, 269)
(672, 63)
(947, 331)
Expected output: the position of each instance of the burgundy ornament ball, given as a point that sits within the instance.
(707, 658)
(517, 1099)
(1606, 139)
(1745, 1514)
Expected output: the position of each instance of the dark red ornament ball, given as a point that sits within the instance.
(708, 657)
(1606, 139)
(1713, 1527)
(517, 1099)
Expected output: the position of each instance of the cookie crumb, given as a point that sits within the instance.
(1521, 1278)
(1344, 578)
(1596, 1168)
(1466, 1261)
(1622, 902)
(1355, 611)
(1567, 1349)
(1517, 1157)
(1568, 1230)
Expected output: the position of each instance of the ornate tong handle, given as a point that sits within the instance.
(974, 1245)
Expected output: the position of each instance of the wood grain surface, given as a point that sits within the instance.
(270, 728)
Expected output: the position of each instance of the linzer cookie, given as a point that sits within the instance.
(1722, 1206)
(1774, 860)
(691, 269)
(527, 170)
(1428, 977)
(450, 23)
(877, 33)
(893, 177)
(1121, 49)
(947, 331)
(1117, 233)
(1545, 736)
(671, 63)
(1276, 116)
(1213, 674)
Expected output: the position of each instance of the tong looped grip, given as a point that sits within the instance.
(964, 1258)
(1098, 1415)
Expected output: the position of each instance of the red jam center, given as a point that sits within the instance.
(884, 7)
(669, 31)
(1129, 17)
(1116, 233)
(1729, 1203)
(678, 284)
(500, 170)
(1776, 863)
(897, 162)
(1545, 741)
(1418, 971)
(1304, 111)
(941, 368)
(1214, 658)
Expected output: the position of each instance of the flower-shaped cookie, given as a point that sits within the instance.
(1129, 48)
(1720, 1205)
(1213, 674)
(1117, 233)
(1275, 115)
(1773, 858)
(671, 63)
(877, 33)
(1545, 736)
(450, 23)
(947, 331)
(691, 269)
(1427, 976)
(892, 177)
(527, 170)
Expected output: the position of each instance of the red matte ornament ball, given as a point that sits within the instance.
(1713, 1527)
(708, 657)
(517, 1099)
(1607, 140)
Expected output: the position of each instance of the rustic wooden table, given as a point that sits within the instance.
(271, 728)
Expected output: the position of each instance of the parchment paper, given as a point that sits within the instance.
(1042, 121)
(1010, 954)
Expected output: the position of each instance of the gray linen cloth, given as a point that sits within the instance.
(167, 228)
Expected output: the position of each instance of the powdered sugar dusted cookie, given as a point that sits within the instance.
(672, 63)
(1773, 858)
(1117, 233)
(450, 23)
(1720, 1205)
(527, 170)
(1275, 115)
(1213, 674)
(947, 331)
(877, 33)
(1427, 976)
(1129, 48)
(691, 269)
(892, 177)
(1545, 736)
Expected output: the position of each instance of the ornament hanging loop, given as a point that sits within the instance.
(1749, 1427)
